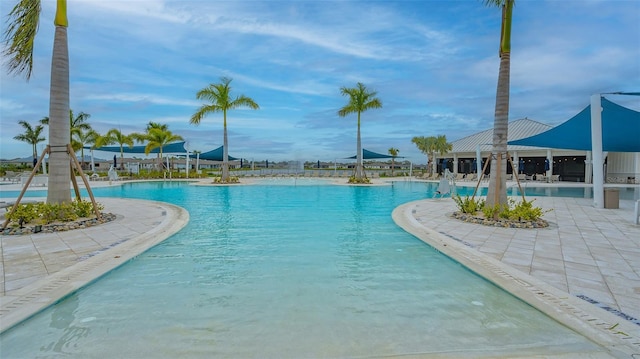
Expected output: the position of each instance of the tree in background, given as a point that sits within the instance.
(393, 152)
(218, 99)
(360, 100)
(497, 191)
(157, 136)
(77, 125)
(32, 135)
(115, 136)
(83, 138)
(431, 146)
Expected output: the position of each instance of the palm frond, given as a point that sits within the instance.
(20, 35)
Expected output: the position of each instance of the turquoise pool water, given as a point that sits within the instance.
(281, 271)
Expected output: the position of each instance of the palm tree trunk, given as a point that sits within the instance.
(497, 191)
(359, 168)
(225, 153)
(59, 126)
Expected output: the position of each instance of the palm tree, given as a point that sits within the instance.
(19, 38)
(152, 124)
(497, 191)
(32, 136)
(219, 100)
(115, 136)
(425, 145)
(431, 146)
(77, 125)
(82, 138)
(441, 145)
(393, 152)
(360, 100)
(156, 137)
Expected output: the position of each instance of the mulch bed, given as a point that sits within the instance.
(500, 222)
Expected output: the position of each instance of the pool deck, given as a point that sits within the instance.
(586, 251)
(38, 270)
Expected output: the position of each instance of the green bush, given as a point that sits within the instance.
(362, 180)
(232, 179)
(523, 211)
(515, 211)
(46, 213)
(468, 205)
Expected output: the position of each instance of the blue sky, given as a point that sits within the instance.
(434, 65)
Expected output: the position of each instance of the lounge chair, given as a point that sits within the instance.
(10, 176)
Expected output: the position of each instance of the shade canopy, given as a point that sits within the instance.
(620, 131)
(213, 155)
(176, 147)
(369, 155)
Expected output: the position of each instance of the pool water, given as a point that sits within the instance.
(282, 271)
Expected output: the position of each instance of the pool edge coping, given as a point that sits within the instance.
(39, 295)
(588, 320)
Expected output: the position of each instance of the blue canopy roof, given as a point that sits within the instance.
(369, 155)
(176, 147)
(213, 155)
(620, 131)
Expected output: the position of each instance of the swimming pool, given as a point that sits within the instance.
(288, 272)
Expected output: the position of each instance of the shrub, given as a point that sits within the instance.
(355, 180)
(468, 205)
(48, 213)
(524, 211)
(520, 211)
(231, 179)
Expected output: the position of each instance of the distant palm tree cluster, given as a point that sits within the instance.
(82, 135)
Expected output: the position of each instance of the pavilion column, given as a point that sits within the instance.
(550, 159)
(596, 148)
(186, 165)
(637, 170)
(455, 164)
(516, 164)
(588, 168)
(478, 160)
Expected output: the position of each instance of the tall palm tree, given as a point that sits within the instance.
(156, 137)
(152, 124)
(19, 38)
(219, 100)
(441, 145)
(360, 100)
(431, 146)
(77, 125)
(497, 191)
(393, 152)
(115, 136)
(83, 138)
(425, 145)
(31, 135)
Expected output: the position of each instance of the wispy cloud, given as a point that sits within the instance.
(433, 63)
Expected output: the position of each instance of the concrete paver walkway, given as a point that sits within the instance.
(589, 252)
(36, 270)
